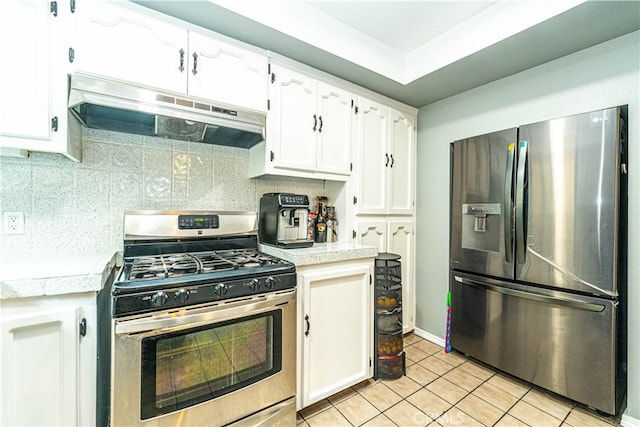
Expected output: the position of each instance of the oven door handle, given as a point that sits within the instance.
(203, 315)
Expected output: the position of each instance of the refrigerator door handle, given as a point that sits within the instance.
(521, 243)
(566, 302)
(507, 206)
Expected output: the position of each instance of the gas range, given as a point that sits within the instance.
(197, 322)
(175, 259)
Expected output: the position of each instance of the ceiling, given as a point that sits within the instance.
(417, 52)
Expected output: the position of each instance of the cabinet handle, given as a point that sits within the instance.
(392, 161)
(195, 64)
(320, 128)
(83, 327)
(181, 67)
(315, 122)
(387, 156)
(306, 319)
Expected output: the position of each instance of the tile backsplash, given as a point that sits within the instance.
(74, 207)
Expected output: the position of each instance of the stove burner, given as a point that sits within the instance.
(142, 268)
(252, 260)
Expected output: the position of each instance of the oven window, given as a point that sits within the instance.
(181, 369)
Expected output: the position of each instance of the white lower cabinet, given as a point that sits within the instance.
(394, 236)
(335, 329)
(47, 369)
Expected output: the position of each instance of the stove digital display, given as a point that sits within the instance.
(190, 222)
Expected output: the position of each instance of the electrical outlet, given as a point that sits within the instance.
(13, 223)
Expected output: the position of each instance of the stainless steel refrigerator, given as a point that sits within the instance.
(538, 254)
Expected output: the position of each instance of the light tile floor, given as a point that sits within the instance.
(447, 389)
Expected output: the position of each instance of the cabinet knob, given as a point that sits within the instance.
(387, 156)
(315, 122)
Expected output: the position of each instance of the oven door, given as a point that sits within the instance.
(207, 365)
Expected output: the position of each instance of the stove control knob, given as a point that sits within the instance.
(158, 299)
(270, 282)
(220, 289)
(182, 295)
(253, 284)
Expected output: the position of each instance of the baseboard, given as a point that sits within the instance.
(628, 421)
(429, 337)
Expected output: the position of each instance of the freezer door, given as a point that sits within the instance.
(481, 203)
(558, 341)
(567, 202)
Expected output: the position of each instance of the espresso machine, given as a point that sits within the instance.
(284, 220)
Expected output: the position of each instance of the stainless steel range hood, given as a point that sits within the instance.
(113, 105)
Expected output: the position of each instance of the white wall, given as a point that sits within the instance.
(602, 76)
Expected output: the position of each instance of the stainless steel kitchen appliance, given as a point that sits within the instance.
(284, 220)
(199, 326)
(101, 103)
(538, 254)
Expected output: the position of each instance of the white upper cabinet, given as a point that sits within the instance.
(386, 161)
(401, 171)
(34, 46)
(292, 120)
(373, 159)
(124, 44)
(335, 114)
(226, 73)
(26, 70)
(119, 43)
(309, 128)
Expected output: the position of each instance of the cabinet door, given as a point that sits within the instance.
(336, 348)
(119, 43)
(227, 74)
(401, 167)
(292, 120)
(39, 368)
(33, 84)
(334, 131)
(373, 137)
(372, 233)
(25, 80)
(401, 242)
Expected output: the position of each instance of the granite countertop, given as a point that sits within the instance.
(56, 274)
(321, 253)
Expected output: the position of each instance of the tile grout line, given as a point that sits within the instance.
(529, 387)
